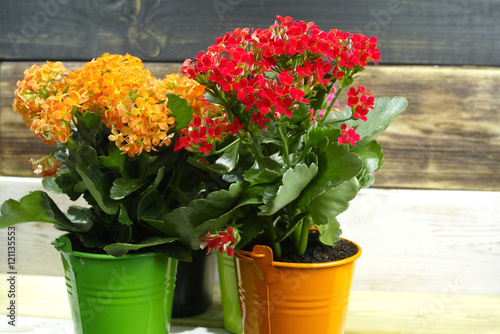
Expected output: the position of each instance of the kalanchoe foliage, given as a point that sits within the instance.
(115, 126)
(299, 158)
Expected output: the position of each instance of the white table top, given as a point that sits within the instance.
(65, 326)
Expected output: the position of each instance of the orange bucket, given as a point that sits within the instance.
(281, 297)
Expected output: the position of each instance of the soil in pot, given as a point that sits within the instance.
(316, 252)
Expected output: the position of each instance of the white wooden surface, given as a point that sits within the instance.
(426, 241)
(34, 325)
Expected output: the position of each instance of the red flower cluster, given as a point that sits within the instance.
(348, 135)
(221, 241)
(270, 71)
(360, 103)
(204, 133)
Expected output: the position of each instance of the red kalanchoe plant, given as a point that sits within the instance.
(294, 159)
(222, 241)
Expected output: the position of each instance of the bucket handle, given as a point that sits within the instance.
(262, 257)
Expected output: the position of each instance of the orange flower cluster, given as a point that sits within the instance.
(46, 166)
(43, 103)
(128, 99)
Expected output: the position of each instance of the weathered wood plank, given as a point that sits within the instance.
(448, 138)
(369, 312)
(410, 32)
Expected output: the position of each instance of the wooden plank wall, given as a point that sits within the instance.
(432, 32)
(448, 138)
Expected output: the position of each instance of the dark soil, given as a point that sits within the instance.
(316, 252)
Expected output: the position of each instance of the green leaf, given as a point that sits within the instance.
(119, 249)
(87, 156)
(36, 207)
(147, 201)
(334, 118)
(330, 233)
(251, 196)
(336, 166)
(88, 120)
(317, 135)
(269, 138)
(373, 159)
(256, 175)
(269, 193)
(90, 128)
(123, 217)
(293, 182)
(91, 240)
(384, 112)
(261, 176)
(80, 216)
(301, 113)
(182, 221)
(250, 226)
(123, 187)
(346, 82)
(182, 112)
(319, 100)
(163, 164)
(175, 250)
(50, 184)
(229, 159)
(99, 187)
(115, 161)
(324, 208)
(67, 183)
(212, 99)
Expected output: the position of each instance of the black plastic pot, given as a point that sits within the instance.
(194, 285)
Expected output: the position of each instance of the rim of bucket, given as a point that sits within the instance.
(97, 256)
(247, 256)
(111, 257)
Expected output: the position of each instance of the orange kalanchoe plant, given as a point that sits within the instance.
(115, 126)
(126, 97)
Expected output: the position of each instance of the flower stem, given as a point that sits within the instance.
(71, 144)
(330, 107)
(304, 236)
(296, 236)
(284, 146)
(272, 233)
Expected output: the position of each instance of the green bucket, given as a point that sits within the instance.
(229, 294)
(127, 295)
